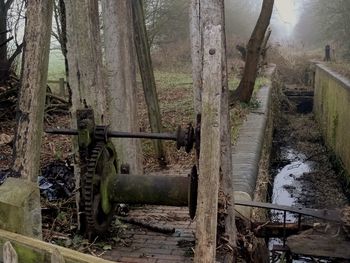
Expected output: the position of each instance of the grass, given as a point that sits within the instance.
(343, 68)
(56, 65)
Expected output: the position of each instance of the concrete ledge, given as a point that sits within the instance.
(247, 151)
(30, 250)
(20, 209)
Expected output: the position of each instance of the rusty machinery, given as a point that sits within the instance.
(103, 184)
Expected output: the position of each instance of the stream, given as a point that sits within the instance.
(302, 172)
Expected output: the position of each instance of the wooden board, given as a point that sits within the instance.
(319, 246)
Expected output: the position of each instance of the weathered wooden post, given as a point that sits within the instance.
(121, 78)
(209, 161)
(206, 15)
(147, 76)
(62, 87)
(9, 253)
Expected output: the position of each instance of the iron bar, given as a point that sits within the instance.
(118, 134)
(284, 227)
(330, 215)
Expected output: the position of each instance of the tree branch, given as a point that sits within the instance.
(7, 40)
(16, 53)
(8, 4)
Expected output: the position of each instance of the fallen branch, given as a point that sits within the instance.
(164, 230)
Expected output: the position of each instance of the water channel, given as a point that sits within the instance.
(301, 170)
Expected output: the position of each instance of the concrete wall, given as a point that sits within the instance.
(247, 152)
(332, 111)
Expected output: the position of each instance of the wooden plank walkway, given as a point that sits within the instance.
(138, 244)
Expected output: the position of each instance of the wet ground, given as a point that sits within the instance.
(302, 168)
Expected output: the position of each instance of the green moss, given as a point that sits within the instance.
(29, 255)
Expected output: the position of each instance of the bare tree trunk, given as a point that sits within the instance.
(85, 58)
(121, 76)
(213, 13)
(147, 75)
(246, 86)
(61, 8)
(264, 47)
(3, 30)
(196, 54)
(31, 102)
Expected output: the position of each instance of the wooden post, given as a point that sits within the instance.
(147, 75)
(62, 88)
(196, 54)
(121, 77)
(212, 13)
(86, 78)
(9, 253)
(209, 162)
(56, 257)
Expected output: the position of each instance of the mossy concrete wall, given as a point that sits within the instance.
(332, 111)
(20, 210)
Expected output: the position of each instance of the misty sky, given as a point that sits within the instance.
(286, 15)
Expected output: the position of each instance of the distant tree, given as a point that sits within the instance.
(323, 22)
(166, 20)
(60, 30)
(246, 86)
(240, 17)
(11, 18)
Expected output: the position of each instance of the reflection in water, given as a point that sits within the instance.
(286, 184)
(285, 187)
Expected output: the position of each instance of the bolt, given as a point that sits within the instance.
(212, 51)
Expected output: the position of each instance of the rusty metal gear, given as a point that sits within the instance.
(185, 138)
(97, 222)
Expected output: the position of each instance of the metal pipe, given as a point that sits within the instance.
(118, 134)
(62, 131)
(143, 135)
(151, 190)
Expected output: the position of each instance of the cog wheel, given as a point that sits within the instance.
(97, 222)
(189, 138)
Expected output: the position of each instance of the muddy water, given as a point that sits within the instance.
(301, 169)
(286, 182)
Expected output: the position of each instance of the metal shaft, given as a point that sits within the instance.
(152, 190)
(118, 134)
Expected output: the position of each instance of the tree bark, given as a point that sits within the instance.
(209, 161)
(85, 59)
(3, 30)
(31, 101)
(147, 75)
(121, 77)
(246, 86)
(85, 67)
(213, 13)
